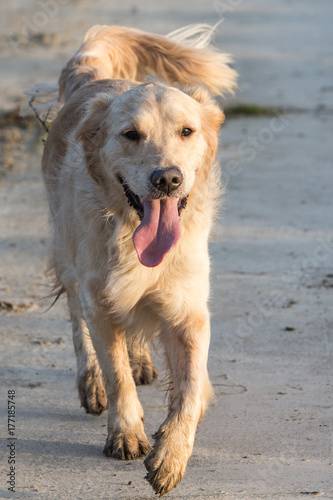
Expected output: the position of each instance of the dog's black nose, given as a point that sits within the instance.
(166, 180)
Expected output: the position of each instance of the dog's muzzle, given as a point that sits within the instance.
(169, 182)
(159, 229)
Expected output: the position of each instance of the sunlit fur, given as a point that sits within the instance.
(114, 300)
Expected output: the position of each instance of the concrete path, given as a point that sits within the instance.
(269, 433)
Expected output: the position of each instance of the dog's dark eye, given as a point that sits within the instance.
(133, 135)
(186, 131)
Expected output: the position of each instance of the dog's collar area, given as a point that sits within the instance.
(134, 201)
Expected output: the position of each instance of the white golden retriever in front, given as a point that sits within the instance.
(130, 173)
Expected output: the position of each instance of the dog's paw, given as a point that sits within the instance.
(164, 470)
(144, 371)
(126, 446)
(92, 392)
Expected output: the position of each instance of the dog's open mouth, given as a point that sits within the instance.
(135, 202)
(132, 199)
(159, 229)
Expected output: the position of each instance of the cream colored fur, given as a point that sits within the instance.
(114, 300)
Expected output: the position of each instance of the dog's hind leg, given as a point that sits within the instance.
(143, 368)
(89, 374)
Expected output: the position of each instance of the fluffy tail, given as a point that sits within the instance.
(183, 57)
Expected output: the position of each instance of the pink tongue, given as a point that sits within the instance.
(158, 232)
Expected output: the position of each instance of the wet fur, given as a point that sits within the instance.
(114, 300)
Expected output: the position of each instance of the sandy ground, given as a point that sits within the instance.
(269, 433)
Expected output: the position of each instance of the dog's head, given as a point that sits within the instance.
(153, 143)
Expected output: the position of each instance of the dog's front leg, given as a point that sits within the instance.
(126, 437)
(187, 351)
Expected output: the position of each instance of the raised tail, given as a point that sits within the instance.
(184, 57)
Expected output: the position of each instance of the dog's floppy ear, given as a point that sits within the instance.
(92, 133)
(212, 118)
(212, 112)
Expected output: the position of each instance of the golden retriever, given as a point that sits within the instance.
(131, 178)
